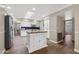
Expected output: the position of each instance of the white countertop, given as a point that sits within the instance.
(38, 31)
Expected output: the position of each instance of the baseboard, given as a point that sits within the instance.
(60, 41)
(76, 50)
(3, 51)
(56, 42)
(52, 41)
(38, 48)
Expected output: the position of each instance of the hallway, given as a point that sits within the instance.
(69, 42)
(19, 47)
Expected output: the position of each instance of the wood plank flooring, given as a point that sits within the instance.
(19, 47)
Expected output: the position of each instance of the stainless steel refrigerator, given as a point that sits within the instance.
(8, 31)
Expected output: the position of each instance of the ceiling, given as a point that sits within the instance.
(20, 10)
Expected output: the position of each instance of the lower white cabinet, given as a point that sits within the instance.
(36, 41)
(23, 33)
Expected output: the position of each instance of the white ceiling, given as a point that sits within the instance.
(20, 10)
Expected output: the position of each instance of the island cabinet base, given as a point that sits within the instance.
(30, 50)
(36, 41)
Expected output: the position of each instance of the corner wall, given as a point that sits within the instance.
(1, 30)
(53, 28)
(53, 24)
(61, 25)
(76, 15)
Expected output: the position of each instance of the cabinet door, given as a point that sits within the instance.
(43, 40)
(36, 41)
(32, 39)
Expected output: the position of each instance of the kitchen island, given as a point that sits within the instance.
(36, 40)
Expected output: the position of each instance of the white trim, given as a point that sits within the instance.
(60, 9)
(77, 32)
(38, 49)
(52, 41)
(55, 41)
(60, 41)
(76, 50)
(3, 51)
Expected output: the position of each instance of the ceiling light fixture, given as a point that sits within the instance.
(33, 9)
(5, 14)
(8, 7)
(3, 6)
(43, 16)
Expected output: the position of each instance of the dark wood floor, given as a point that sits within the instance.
(19, 47)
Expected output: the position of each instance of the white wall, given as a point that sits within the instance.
(61, 25)
(68, 15)
(76, 15)
(56, 25)
(53, 28)
(1, 30)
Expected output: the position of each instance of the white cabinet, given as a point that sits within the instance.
(23, 33)
(36, 41)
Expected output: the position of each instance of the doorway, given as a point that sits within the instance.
(69, 33)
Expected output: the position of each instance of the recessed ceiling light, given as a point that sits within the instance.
(33, 9)
(3, 6)
(5, 14)
(8, 7)
(43, 16)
